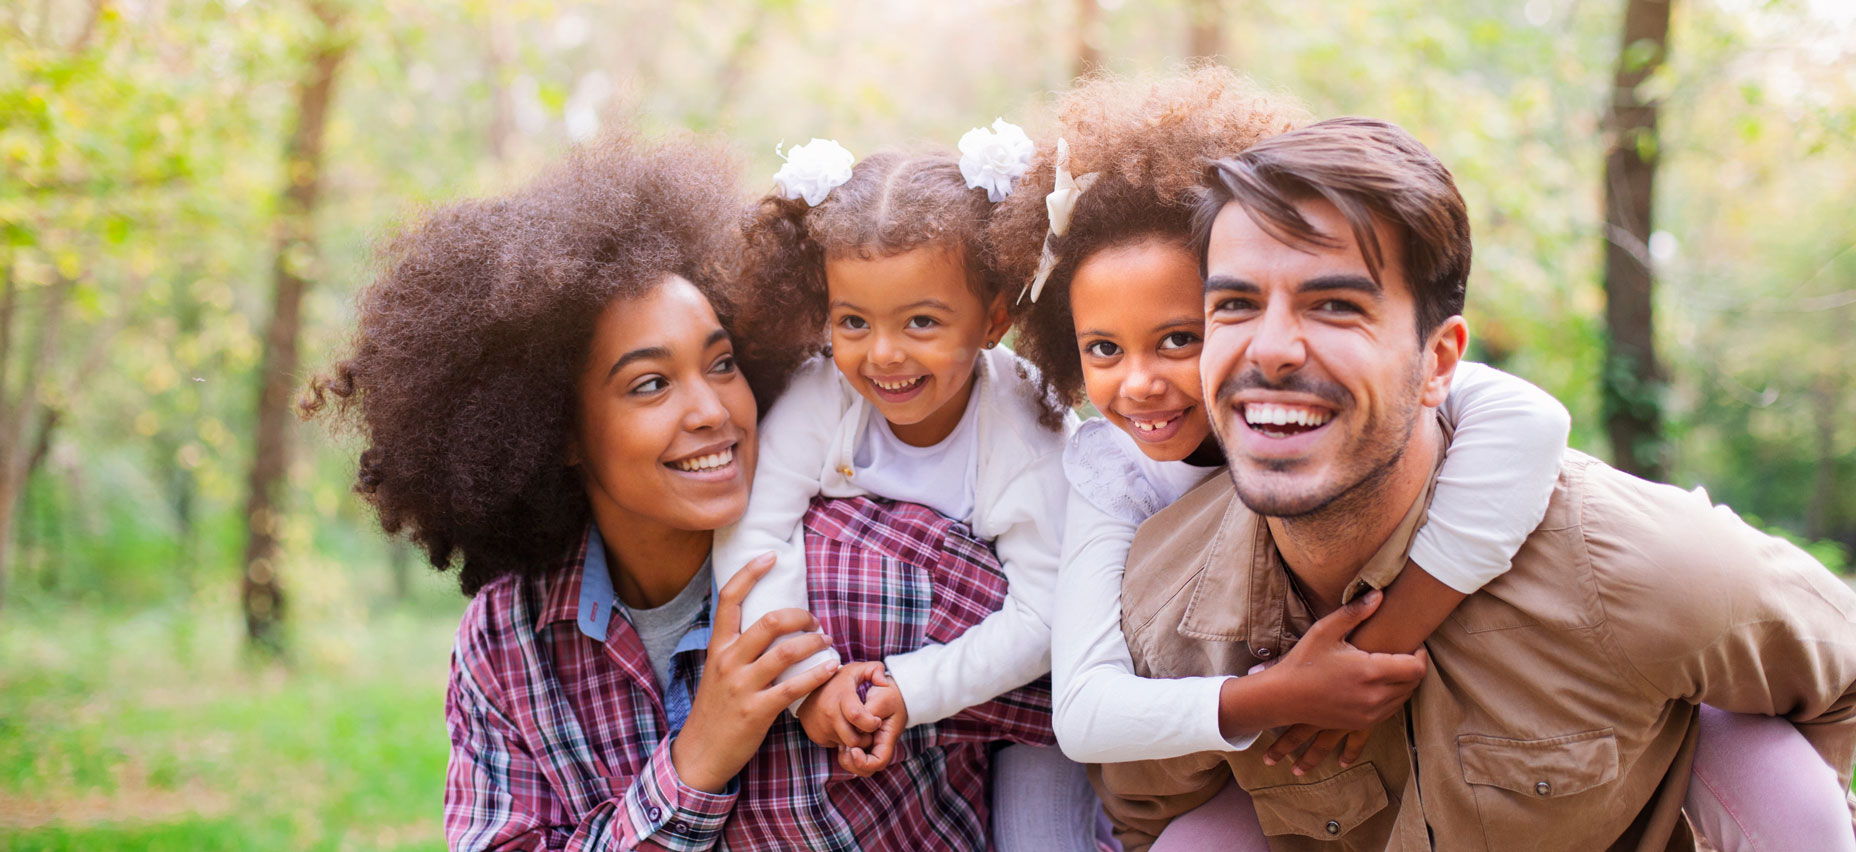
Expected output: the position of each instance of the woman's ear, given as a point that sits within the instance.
(573, 455)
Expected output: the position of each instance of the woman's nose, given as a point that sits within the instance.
(705, 410)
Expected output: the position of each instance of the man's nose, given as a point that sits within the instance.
(1277, 347)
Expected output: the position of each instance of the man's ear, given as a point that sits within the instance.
(1442, 352)
(998, 318)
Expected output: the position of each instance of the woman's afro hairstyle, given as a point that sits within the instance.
(461, 374)
(1150, 141)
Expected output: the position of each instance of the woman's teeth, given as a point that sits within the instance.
(1271, 414)
(708, 462)
(898, 386)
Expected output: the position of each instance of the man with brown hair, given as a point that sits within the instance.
(1559, 711)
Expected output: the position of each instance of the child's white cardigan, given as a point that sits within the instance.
(806, 444)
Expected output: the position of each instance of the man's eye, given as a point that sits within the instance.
(1102, 349)
(1234, 305)
(650, 385)
(1338, 306)
(853, 322)
(921, 321)
(1178, 340)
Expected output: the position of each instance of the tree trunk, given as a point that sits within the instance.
(1205, 29)
(260, 592)
(1633, 381)
(1088, 54)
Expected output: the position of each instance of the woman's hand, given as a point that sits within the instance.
(737, 700)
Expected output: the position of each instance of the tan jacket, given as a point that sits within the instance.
(1559, 710)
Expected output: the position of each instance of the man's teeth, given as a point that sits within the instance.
(708, 462)
(898, 386)
(1270, 414)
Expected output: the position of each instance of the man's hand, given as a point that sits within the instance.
(834, 715)
(884, 702)
(1324, 682)
(737, 701)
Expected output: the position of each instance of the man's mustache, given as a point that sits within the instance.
(1294, 382)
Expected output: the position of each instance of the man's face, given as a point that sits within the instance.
(1315, 373)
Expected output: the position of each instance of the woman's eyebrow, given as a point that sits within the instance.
(641, 354)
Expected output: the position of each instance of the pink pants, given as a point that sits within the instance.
(1757, 787)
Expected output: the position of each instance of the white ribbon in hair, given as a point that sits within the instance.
(1060, 204)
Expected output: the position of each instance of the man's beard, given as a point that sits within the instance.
(1381, 444)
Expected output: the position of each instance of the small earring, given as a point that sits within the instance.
(991, 343)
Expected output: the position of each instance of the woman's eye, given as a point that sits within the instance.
(650, 385)
(1178, 340)
(920, 321)
(853, 323)
(1102, 349)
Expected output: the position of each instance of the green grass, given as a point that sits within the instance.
(152, 731)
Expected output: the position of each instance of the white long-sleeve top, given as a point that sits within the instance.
(808, 443)
(1497, 477)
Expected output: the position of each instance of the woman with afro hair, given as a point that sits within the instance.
(552, 402)
(1116, 320)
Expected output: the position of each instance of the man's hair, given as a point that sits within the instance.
(1371, 171)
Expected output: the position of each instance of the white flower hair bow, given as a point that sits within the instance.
(995, 159)
(813, 170)
(1059, 204)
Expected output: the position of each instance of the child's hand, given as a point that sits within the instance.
(1320, 743)
(834, 716)
(884, 701)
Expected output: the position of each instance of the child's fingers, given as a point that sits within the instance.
(859, 715)
(1318, 751)
(847, 733)
(1355, 745)
(885, 748)
(1289, 743)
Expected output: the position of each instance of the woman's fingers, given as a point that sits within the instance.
(802, 684)
(790, 652)
(727, 622)
(754, 641)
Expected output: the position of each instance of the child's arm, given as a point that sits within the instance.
(795, 439)
(1010, 647)
(1102, 711)
(1497, 476)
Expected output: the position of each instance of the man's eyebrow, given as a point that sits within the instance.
(1356, 283)
(639, 355)
(1227, 284)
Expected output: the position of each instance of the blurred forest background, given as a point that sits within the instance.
(205, 641)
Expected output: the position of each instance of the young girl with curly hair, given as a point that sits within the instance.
(552, 400)
(1118, 322)
(880, 270)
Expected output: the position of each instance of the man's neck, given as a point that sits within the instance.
(1324, 551)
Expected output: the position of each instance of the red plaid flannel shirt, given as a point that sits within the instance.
(562, 742)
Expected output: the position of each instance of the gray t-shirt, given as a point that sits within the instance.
(661, 627)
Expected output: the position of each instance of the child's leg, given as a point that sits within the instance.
(1227, 821)
(1041, 800)
(1759, 787)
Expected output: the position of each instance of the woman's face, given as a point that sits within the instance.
(665, 428)
(1139, 328)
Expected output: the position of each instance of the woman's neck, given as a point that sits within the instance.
(649, 567)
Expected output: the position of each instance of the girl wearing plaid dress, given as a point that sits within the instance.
(879, 269)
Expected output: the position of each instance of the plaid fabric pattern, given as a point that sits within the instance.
(560, 742)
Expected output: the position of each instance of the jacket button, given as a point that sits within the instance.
(1262, 653)
(1543, 788)
(846, 471)
(1333, 826)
